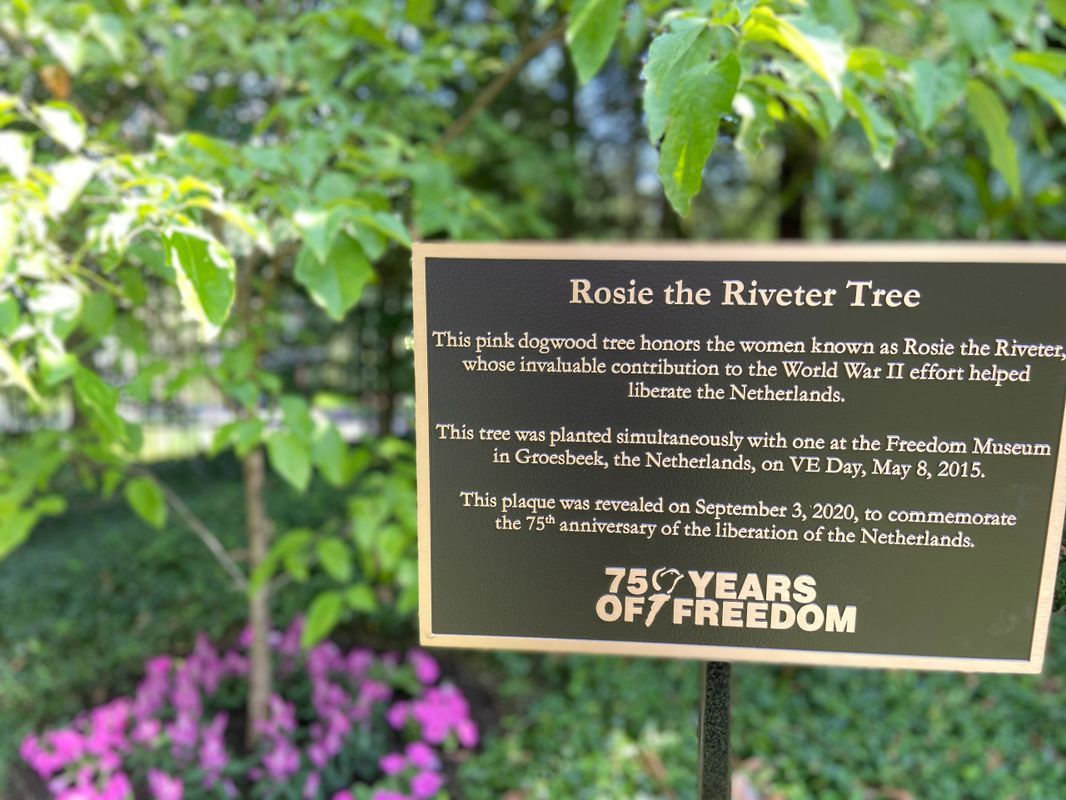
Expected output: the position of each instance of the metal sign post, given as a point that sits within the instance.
(714, 773)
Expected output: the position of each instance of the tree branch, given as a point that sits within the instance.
(197, 526)
(497, 85)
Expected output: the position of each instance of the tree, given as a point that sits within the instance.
(244, 171)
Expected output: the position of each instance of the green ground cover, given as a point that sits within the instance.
(96, 592)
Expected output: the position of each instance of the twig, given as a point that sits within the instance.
(497, 85)
(197, 526)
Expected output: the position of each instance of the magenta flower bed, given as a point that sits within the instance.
(342, 726)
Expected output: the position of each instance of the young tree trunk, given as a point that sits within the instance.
(259, 530)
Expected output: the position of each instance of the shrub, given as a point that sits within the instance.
(345, 725)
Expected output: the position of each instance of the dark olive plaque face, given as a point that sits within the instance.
(832, 455)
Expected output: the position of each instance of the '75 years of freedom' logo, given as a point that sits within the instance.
(720, 599)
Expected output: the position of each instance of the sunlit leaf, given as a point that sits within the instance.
(64, 123)
(670, 56)
(322, 617)
(69, 178)
(704, 93)
(146, 498)
(290, 457)
(16, 153)
(10, 366)
(818, 46)
(205, 274)
(590, 31)
(336, 282)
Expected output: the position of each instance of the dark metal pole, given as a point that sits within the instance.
(714, 778)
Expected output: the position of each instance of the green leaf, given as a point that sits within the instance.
(297, 416)
(16, 153)
(9, 312)
(10, 366)
(64, 123)
(329, 453)
(1057, 9)
(9, 228)
(100, 401)
(15, 528)
(361, 598)
(335, 558)
(69, 178)
(880, 132)
(419, 12)
(54, 364)
(109, 30)
(291, 549)
(993, 119)
(337, 282)
(590, 32)
(322, 617)
(147, 499)
(68, 47)
(206, 275)
(818, 46)
(1045, 83)
(669, 56)
(389, 225)
(934, 89)
(318, 227)
(290, 456)
(971, 25)
(243, 435)
(703, 94)
(97, 314)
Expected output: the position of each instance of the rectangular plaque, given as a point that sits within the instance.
(840, 455)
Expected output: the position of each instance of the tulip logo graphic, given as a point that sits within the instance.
(665, 581)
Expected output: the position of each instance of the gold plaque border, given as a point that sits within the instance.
(782, 253)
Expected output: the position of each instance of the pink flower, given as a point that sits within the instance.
(147, 731)
(343, 795)
(374, 692)
(164, 787)
(282, 761)
(234, 664)
(282, 714)
(157, 669)
(426, 784)
(466, 732)
(323, 658)
(397, 715)
(311, 786)
(183, 733)
(68, 744)
(213, 756)
(290, 640)
(392, 763)
(423, 756)
(45, 764)
(117, 788)
(440, 711)
(358, 662)
(206, 665)
(425, 666)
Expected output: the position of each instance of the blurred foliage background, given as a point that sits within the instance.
(206, 210)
